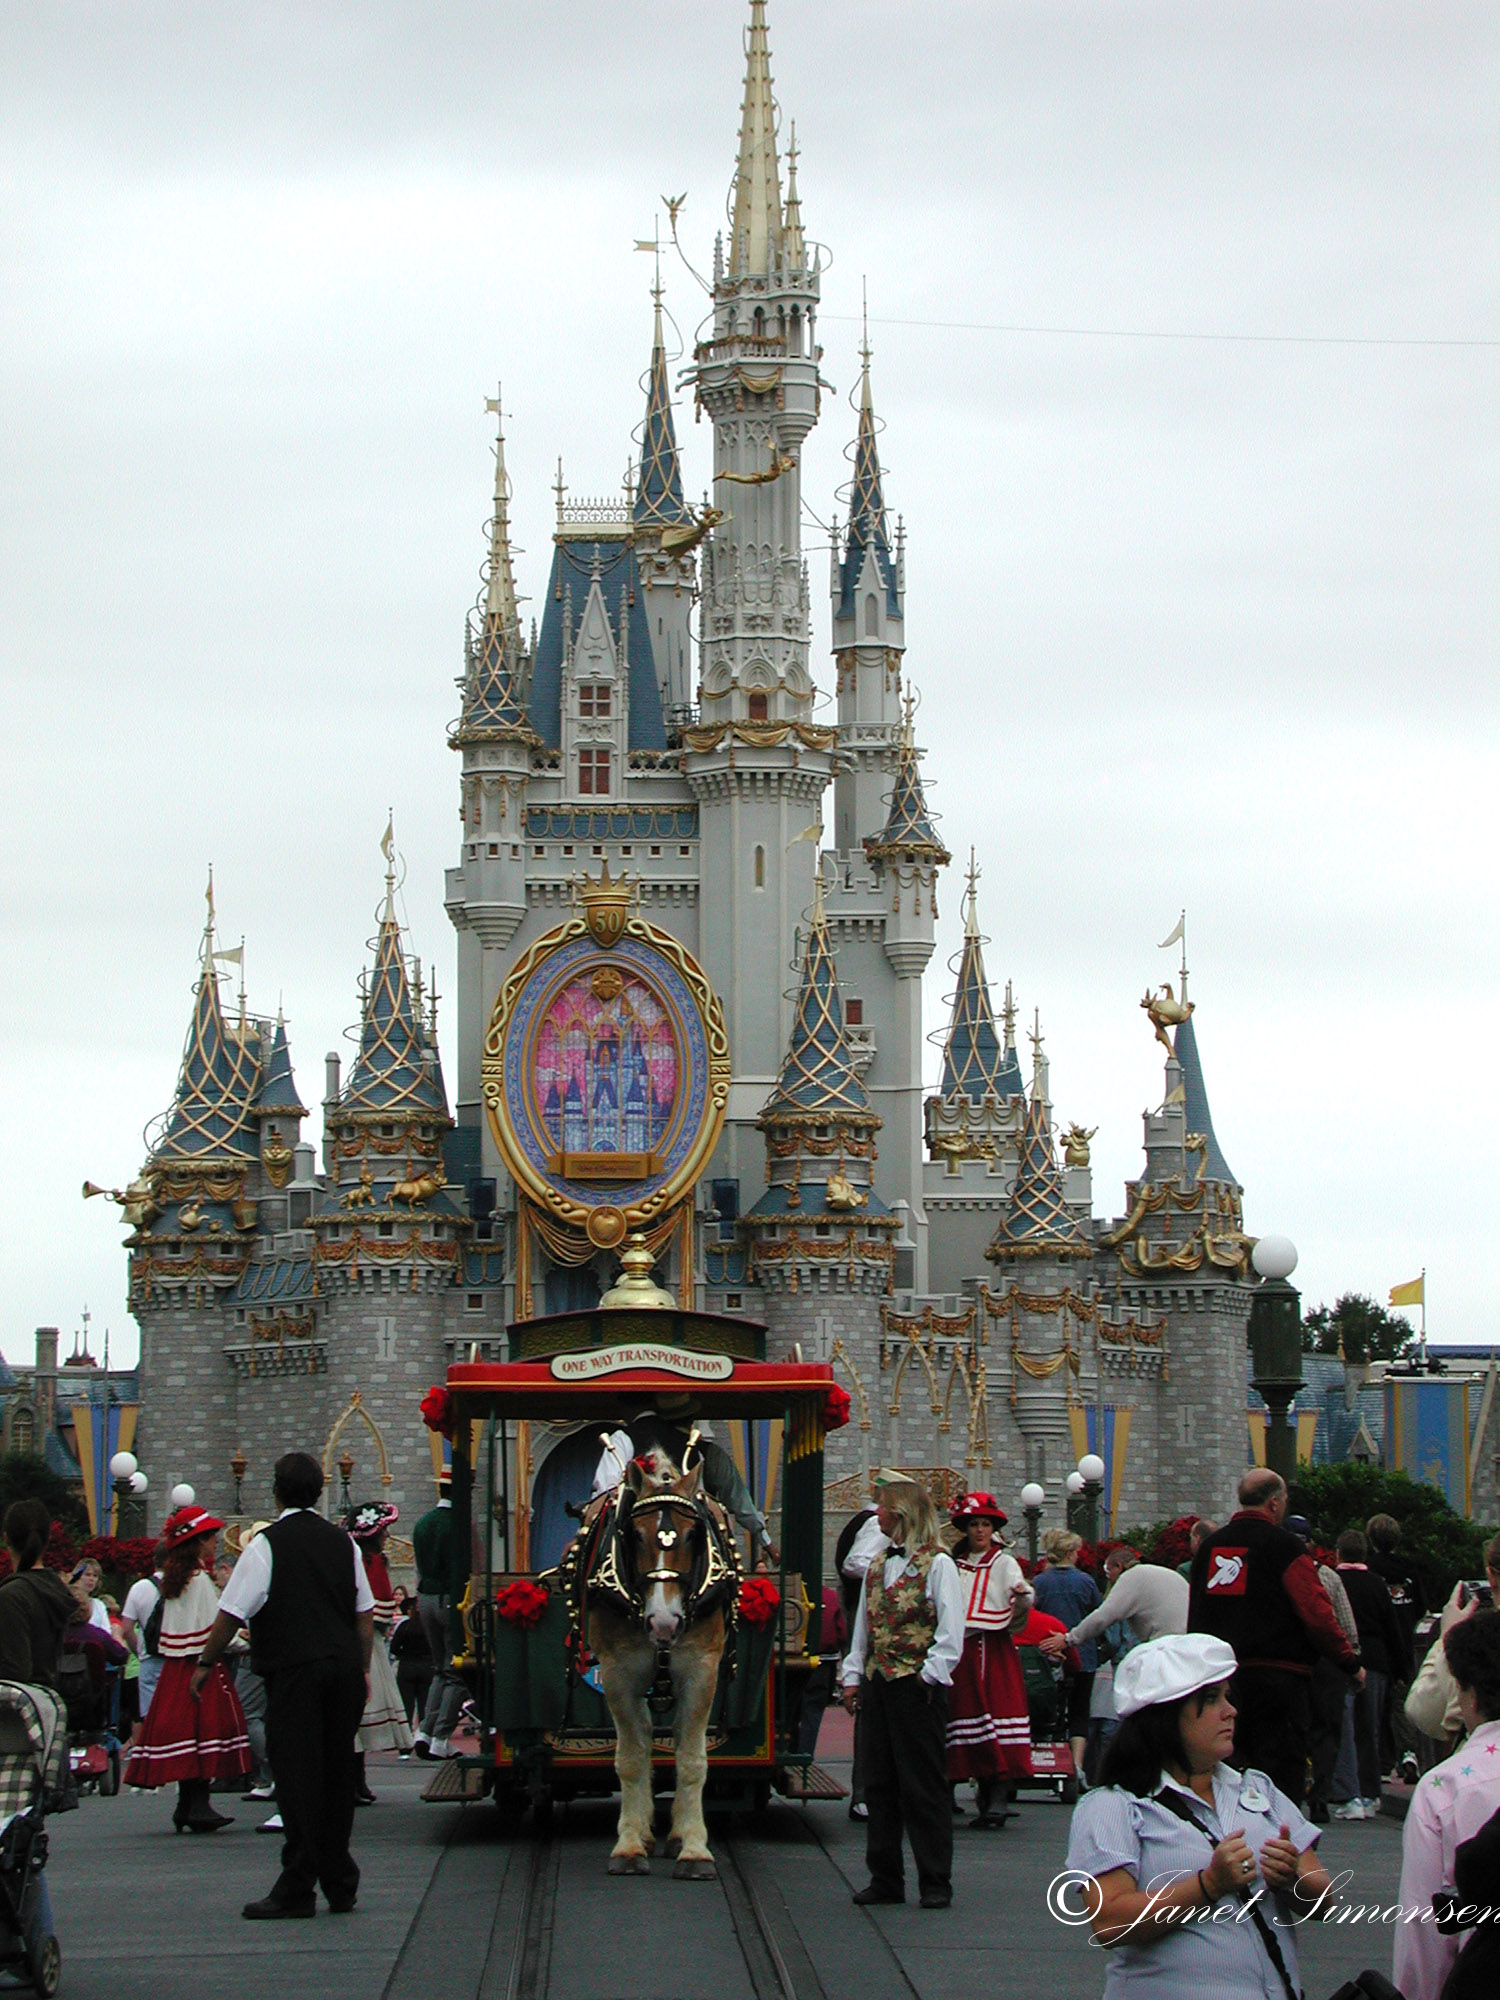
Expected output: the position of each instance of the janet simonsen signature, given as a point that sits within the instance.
(1074, 1898)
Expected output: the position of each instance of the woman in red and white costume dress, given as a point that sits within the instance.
(989, 1735)
(190, 1740)
(383, 1725)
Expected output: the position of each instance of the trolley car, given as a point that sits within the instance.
(545, 1730)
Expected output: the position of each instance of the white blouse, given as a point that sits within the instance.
(185, 1620)
(988, 1581)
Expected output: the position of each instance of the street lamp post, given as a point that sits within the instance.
(346, 1471)
(1033, 1499)
(1091, 1477)
(130, 1494)
(1276, 1348)
(238, 1466)
(1073, 1487)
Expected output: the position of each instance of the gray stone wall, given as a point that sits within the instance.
(187, 1426)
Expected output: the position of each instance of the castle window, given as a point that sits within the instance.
(760, 868)
(593, 773)
(387, 1131)
(758, 707)
(656, 851)
(854, 1013)
(627, 850)
(593, 698)
(567, 851)
(539, 852)
(474, 1302)
(732, 1302)
(872, 617)
(495, 848)
(386, 1228)
(599, 850)
(23, 1431)
(820, 1229)
(684, 852)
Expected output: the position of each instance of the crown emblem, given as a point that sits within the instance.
(605, 903)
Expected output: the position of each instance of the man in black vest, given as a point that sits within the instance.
(1255, 1586)
(301, 1588)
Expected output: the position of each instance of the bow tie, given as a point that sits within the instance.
(896, 1549)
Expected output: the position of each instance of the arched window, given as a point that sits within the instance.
(758, 708)
(872, 616)
(760, 868)
(23, 1432)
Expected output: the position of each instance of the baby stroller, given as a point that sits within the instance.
(1047, 1705)
(33, 1778)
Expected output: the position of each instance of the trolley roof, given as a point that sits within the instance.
(615, 1381)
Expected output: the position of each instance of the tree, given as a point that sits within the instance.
(25, 1475)
(1363, 1330)
(1439, 1543)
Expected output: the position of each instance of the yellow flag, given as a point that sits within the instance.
(1409, 1294)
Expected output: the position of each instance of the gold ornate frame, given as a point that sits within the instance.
(551, 1200)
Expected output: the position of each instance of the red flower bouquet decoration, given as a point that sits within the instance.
(437, 1410)
(760, 1600)
(835, 1407)
(522, 1603)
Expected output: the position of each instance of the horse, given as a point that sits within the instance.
(651, 1583)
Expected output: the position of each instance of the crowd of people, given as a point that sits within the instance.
(1213, 1717)
(1218, 1716)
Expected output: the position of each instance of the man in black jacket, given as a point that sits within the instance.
(301, 1588)
(1385, 1650)
(1256, 1587)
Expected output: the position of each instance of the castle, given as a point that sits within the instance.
(647, 764)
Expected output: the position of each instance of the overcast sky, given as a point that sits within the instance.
(1195, 622)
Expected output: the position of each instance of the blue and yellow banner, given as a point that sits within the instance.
(1307, 1431)
(99, 1431)
(754, 1444)
(1427, 1434)
(1106, 1433)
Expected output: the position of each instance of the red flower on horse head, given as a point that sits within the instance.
(759, 1601)
(437, 1410)
(835, 1407)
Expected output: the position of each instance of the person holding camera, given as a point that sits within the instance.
(1432, 1699)
(1453, 1804)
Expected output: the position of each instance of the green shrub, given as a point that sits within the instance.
(1440, 1544)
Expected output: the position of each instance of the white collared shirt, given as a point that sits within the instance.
(247, 1590)
(945, 1594)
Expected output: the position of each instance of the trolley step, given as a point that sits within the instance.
(809, 1782)
(458, 1781)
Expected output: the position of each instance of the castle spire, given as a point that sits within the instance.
(494, 686)
(974, 1061)
(278, 1090)
(1038, 1221)
(1196, 1114)
(793, 240)
(658, 497)
(818, 1081)
(391, 1073)
(755, 243)
(210, 1112)
(908, 833)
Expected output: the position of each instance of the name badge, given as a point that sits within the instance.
(1253, 1799)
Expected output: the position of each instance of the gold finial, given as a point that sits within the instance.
(971, 904)
(605, 901)
(1034, 1036)
(559, 489)
(1178, 935)
(1008, 1016)
(500, 600)
(635, 1285)
(388, 849)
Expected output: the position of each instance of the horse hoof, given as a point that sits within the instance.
(629, 1864)
(695, 1871)
(673, 1847)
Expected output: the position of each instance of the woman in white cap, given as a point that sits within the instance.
(1170, 1834)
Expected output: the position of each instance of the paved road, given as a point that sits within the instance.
(144, 1915)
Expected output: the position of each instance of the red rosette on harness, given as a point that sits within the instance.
(437, 1410)
(759, 1601)
(522, 1603)
(835, 1407)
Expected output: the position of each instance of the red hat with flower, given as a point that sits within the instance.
(187, 1524)
(977, 1507)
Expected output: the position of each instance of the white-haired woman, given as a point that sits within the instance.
(908, 1636)
(1171, 1832)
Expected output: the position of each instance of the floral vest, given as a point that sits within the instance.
(901, 1622)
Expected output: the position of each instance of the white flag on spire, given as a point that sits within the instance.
(388, 838)
(235, 957)
(1176, 933)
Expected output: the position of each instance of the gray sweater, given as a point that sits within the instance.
(1151, 1600)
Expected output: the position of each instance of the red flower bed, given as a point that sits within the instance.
(122, 1555)
(437, 1410)
(522, 1603)
(759, 1601)
(835, 1407)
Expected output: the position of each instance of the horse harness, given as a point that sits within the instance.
(598, 1566)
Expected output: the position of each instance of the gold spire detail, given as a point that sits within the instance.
(793, 241)
(500, 604)
(755, 244)
(971, 904)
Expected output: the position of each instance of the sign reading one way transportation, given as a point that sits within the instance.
(642, 1354)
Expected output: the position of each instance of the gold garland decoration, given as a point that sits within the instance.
(384, 1250)
(942, 1326)
(181, 1184)
(759, 735)
(853, 1249)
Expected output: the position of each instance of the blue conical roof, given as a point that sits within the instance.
(1195, 1104)
(1037, 1219)
(658, 495)
(390, 1073)
(866, 535)
(210, 1113)
(908, 833)
(818, 1079)
(494, 680)
(279, 1090)
(974, 1063)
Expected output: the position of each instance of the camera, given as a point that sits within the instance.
(1476, 1590)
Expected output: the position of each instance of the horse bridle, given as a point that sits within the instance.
(666, 1538)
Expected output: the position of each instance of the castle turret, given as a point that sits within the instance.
(1038, 1222)
(980, 1106)
(662, 523)
(757, 762)
(868, 589)
(278, 1110)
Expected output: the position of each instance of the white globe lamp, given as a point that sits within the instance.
(138, 1482)
(1274, 1257)
(1033, 1495)
(1091, 1468)
(123, 1465)
(1074, 1483)
(182, 1495)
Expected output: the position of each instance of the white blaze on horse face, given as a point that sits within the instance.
(663, 1612)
